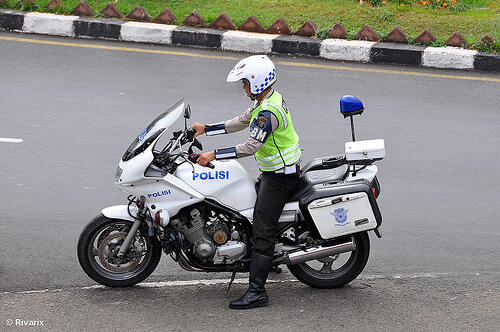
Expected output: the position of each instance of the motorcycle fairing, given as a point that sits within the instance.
(133, 181)
(228, 184)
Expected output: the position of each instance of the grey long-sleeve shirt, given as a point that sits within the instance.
(251, 145)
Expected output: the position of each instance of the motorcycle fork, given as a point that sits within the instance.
(130, 236)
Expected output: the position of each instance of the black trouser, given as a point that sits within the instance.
(274, 191)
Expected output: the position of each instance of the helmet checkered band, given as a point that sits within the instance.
(259, 70)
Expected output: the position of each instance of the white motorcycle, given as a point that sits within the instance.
(202, 217)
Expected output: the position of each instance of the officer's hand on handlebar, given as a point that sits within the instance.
(204, 159)
(190, 133)
(200, 129)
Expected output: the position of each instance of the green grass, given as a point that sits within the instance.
(473, 18)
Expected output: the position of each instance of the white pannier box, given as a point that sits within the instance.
(342, 215)
(341, 209)
(365, 150)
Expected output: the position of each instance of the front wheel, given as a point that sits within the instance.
(335, 271)
(97, 251)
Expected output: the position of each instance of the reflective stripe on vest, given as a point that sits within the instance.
(283, 116)
(270, 159)
(279, 164)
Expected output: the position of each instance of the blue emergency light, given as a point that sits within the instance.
(350, 106)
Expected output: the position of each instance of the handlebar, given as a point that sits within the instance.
(190, 133)
(181, 137)
(194, 158)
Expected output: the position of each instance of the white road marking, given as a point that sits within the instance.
(10, 140)
(210, 282)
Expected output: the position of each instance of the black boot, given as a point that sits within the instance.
(256, 294)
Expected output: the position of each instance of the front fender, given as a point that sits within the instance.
(119, 212)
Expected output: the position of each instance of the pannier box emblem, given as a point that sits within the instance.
(340, 216)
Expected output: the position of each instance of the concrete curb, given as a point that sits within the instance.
(333, 49)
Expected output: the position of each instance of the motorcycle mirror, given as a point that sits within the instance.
(187, 112)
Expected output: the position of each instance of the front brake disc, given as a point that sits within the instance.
(107, 231)
(108, 250)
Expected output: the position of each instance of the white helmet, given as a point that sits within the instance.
(259, 70)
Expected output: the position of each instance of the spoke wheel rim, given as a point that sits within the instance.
(331, 267)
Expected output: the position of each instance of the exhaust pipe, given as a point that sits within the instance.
(184, 263)
(310, 254)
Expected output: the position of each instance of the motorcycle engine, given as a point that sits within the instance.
(194, 232)
(210, 238)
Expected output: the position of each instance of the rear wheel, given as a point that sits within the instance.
(99, 244)
(335, 271)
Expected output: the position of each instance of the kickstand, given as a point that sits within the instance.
(231, 282)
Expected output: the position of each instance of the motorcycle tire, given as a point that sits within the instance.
(94, 267)
(340, 276)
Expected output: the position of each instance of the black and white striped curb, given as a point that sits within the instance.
(334, 49)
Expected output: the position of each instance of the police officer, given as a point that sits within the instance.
(275, 145)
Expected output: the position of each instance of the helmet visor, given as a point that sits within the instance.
(238, 88)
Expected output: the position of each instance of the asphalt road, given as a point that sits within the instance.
(78, 108)
(364, 305)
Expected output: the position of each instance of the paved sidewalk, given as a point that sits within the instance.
(333, 49)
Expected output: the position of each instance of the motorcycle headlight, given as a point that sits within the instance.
(118, 173)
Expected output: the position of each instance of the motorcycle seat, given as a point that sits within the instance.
(312, 178)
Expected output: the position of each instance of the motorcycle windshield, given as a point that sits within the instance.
(161, 123)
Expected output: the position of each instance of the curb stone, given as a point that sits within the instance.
(87, 27)
(203, 37)
(341, 49)
(333, 49)
(448, 57)
(487, 62)
(11, 20)
(251, 42)
(396, 53)
(296, 45)
(49, 24)
(147, 33)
